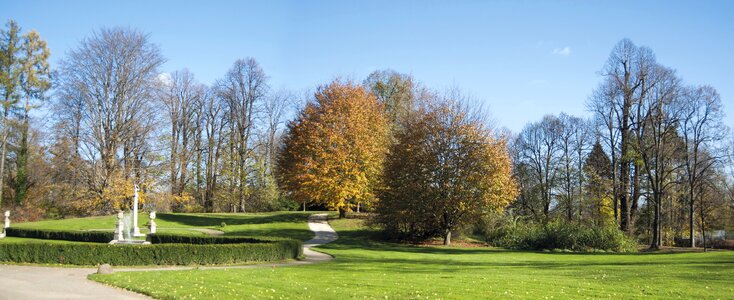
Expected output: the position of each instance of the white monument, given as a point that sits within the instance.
(7, 220)
(152, 226)
(6, 224)
(119, 236)
(136, 229)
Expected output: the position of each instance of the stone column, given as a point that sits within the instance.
(136, 229)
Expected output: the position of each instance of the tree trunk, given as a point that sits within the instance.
(691, 219)
(3, 153)
(703, 227)
(656, 223)
(342, 213)
(304, 205)
(21, 181)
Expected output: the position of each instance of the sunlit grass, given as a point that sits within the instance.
(364, 268)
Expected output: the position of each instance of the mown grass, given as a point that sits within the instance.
(274, 224)
(365, 268)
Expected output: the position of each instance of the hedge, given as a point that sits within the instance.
(76, 236)
(155, 254)
(167, 238)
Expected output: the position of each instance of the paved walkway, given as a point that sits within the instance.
(31, 282)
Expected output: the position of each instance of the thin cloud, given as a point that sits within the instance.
(565, 51)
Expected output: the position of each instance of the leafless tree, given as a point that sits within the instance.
(702, 129)
(181, 95)
(244, 86)
(107, 84)
(540, 153)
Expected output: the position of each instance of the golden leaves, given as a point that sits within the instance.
(334, 151)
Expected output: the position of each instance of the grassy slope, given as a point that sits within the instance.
(365, 269)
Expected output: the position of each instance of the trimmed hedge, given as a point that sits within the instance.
(76, 236)
(164, 238)
(155, 254)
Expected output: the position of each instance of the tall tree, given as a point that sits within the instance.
(625, 71)
(35, 81)
(656, 140)
(10, 74)
(181, 95)
(111, 76)
(702, 129)
(333, 153)
(540, 152)
(244, 86)
(598, 171)
(446, 169)
(396, 92)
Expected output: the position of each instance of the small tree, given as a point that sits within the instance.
(333, 153)
(446, 169)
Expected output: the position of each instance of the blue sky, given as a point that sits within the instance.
(523, 59)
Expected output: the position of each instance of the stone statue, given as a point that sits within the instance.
(120, 227)
(152, 225)
(7, 219)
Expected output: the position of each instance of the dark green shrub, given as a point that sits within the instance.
(77, 236)
(156, 254)
(163, 238)
(558, 235)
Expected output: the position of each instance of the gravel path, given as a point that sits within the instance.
(32, 282)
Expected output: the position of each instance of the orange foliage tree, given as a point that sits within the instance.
(333, 153)
(445, 170)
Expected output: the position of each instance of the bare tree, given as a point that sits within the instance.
(702, 129)
(242, 88)
(657, 142)
(108, 82)
(625, 71)
(540, 153)
(181, 95)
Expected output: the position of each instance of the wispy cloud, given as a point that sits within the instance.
(565, 51)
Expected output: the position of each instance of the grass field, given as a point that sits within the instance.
(277, 224)
(367, 269)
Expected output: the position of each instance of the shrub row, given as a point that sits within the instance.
(560, 235)
(76, 236)
(155, 254)
(164, 238)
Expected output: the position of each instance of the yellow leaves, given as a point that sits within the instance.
(334, 152)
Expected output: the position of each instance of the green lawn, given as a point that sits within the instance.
(276, 224)
(367, 269)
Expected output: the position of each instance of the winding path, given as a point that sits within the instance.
(33, 282)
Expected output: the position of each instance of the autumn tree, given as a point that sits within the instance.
(446, 169)
(333, 153)
(598, 173)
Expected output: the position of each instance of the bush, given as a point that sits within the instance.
(558, 235)
(76, 236)
(156, 254)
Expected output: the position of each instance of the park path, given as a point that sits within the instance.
(34, 282)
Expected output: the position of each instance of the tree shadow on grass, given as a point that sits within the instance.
(298, 234)
(207, 220)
